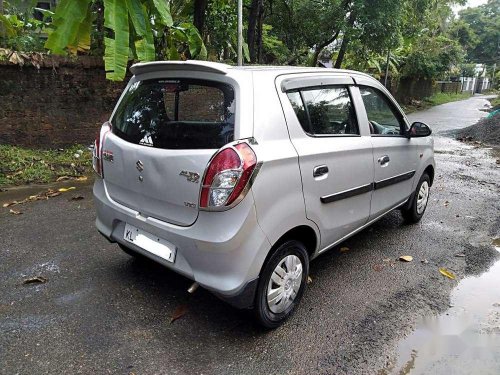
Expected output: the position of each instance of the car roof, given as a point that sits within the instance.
(220, 68)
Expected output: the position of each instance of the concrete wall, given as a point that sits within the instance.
(61, 103)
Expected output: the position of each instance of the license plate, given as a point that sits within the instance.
(149, 242)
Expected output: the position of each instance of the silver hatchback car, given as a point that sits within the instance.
(237, 177)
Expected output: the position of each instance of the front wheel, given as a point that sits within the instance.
(415, 211)
(282, 284)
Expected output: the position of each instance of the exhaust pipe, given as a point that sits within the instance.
(193, 287)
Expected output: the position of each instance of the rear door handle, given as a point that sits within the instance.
(384, 160)
(320, 170)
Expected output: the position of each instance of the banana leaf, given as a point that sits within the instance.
(116, 49)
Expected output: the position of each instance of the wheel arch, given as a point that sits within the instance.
(303, 233)
(430, 171)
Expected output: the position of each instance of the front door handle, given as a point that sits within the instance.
(383, 160)
(320, 170)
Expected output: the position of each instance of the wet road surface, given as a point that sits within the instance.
(101, 311)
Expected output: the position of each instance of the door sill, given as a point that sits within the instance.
(362, 227)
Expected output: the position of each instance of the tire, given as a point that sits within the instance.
(414, 212)
(289, 254)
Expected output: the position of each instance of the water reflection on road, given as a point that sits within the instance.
(463, 340)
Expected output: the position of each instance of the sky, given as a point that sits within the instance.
(470, 4)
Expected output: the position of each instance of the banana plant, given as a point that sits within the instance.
(141, 30)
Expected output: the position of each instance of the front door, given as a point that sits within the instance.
(394, 155)
(335, 158)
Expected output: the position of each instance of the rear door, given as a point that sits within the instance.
(335, 154)
(395, 156)
(164, 132)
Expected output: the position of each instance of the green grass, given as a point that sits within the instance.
(445, 97)
(19, 166)
(436, 99)
(495, 103)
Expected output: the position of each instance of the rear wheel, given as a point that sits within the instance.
(282, 284)
(415, 211)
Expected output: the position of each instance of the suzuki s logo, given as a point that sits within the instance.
(108, 155)
(139, 165)
(191, 176)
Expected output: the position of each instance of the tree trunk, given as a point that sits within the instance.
(345, 41)
(253, 19)
(319, 47)
(343, 49)
(315, 56)
(260, 23)
(200, 9)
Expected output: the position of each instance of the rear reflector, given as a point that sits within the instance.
(98, 146)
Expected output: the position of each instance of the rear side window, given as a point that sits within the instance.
(325, 111)
(176, 114)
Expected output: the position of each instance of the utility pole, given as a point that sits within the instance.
(240, 32)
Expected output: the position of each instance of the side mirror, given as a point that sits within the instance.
(419, 129)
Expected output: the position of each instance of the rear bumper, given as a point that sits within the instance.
(222, 251)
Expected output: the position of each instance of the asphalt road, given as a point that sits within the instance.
(101, 311)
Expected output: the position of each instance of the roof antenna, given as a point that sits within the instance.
(240, 32)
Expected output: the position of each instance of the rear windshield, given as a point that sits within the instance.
(176, 114)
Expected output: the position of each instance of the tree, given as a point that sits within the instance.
(133, 29)
(484, 22)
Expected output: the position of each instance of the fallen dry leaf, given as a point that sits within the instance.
(63, 190)
(424, 261)
(35, 280)
(179, 312)
(82, 178)
(10, 204)
(53, 194)
(344, 249)
(63, 178)
(447, 273)
(461, 255)
(309, 280)
(446, 203)
(77, 197)
(406, 258)
(378, 267)
(15, 212)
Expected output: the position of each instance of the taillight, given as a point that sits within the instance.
(98, 144)
(227, 176)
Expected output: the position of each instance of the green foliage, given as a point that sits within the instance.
(67, 20)
(23, 166)
(467, 70)
(222, 26)
(20, 31)
(484, 24)
(133, 29)
(445, 97)
(274, 50)
(432, 57)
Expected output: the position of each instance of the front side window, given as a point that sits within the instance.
(325, 111)
(383, 118)
(176, 114)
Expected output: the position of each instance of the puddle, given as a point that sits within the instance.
(21, 192)
(463, 340)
